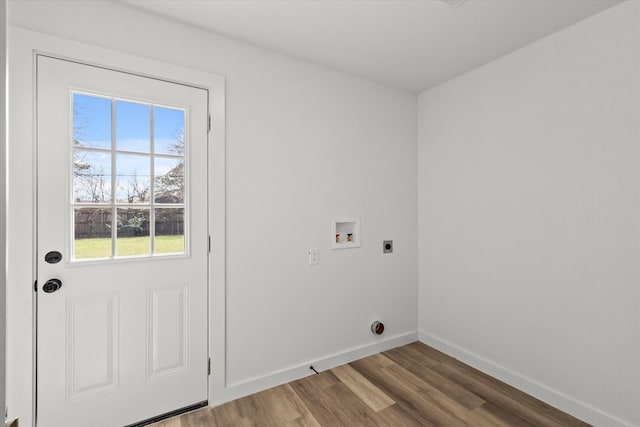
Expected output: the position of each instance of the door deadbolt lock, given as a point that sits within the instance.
(53, 257)
(52, 285)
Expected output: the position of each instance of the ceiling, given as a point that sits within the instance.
(408, 44)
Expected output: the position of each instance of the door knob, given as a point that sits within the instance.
(52, 285)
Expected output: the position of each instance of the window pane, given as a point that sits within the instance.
(168, 131)
(91, 121)
(133, 178)
(133, 232)
(169, 231)
(92, 233)
(91, 177)
(133, 126)
(169, 181)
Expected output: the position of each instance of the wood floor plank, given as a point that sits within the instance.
(300, 422)
(479, 417)
(307, 418)
(274, 407)
(350, 409)
(324, 379)
(526, 408)
(335, 406)
(427, 392)
(313, 396)
(410, 353)
(394, 415)
(491, 415)
(422, 388)
(410, 386)
(367, 392)
(429, 352)
(406, 396)
(381, 360)
(418, 367)
(199, 418)
(226, 414)
(240, 422)
(521, 397)
(171, 422)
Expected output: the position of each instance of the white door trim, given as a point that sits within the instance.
(21, 195)
(3, 205)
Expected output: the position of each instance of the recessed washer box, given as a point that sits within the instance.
(345, 233)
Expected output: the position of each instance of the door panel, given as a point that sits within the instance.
(122, 175)
(93, 337)
(168, 337)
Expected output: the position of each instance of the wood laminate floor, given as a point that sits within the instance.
(413, 385)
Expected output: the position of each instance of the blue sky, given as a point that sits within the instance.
(92, 126)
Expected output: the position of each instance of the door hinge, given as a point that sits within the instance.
(35, 286)
(209, 244)
(209, 366)
(209, 123)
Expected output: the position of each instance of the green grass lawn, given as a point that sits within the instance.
(127, 246)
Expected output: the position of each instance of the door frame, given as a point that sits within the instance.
(3, 200)
(21, 237)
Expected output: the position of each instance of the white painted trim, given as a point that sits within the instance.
(254, 385)
(21, 212)
(553, 397)
(3, 200)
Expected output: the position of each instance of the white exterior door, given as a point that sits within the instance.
(122, 198)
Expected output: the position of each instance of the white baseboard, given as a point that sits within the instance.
(254, 385)
(554, 398)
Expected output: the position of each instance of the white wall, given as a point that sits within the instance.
(529, 207)
(303, 144)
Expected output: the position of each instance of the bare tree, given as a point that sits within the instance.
(137, 190)
(170, 186)
(93, 186)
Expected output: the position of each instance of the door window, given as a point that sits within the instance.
(128, 178)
